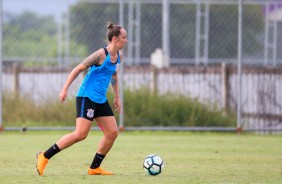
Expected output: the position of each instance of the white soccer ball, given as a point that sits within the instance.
(153, 164)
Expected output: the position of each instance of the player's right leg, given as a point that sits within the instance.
(81, 131)
(41, 163)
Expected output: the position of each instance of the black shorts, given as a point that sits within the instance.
(88, 109)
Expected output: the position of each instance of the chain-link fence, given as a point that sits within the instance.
(199, 41)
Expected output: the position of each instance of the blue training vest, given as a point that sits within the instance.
(96, 82)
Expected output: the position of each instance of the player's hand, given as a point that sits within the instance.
(63, 95)
(117, 104)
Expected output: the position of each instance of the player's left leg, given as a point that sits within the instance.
(109, 127)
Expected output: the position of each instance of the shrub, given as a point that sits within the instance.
(144, 108)
(141, 107)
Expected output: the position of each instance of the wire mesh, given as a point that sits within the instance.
(47, 38)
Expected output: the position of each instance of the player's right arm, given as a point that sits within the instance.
(95, 58)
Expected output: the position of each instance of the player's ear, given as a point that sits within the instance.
(115, 39)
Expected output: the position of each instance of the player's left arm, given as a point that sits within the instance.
(114, 82)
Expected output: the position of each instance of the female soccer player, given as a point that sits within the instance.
(91, 102)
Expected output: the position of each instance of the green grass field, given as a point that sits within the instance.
(189, 158)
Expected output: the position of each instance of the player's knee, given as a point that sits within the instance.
(80, 136)
(112, 135)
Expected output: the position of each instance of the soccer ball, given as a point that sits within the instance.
(153, 164)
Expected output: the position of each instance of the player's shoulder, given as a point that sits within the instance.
(101, 53)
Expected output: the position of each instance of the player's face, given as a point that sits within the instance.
(121, 40)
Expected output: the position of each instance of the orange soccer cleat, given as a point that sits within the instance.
(98, 171)
(41, 163)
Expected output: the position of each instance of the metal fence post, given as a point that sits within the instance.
(239, 74)
(121, 88)
(1, 126)
(225, 87)
(165, 30)
(16, 83)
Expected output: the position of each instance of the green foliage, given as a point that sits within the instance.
(144, 108)
(183, 21)
(31, 35)
(223, 27)
(151, 29)
(22, 111)
(88, 23)
(141, 107)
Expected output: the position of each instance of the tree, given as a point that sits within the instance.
(223, 42)
(88, 23)
(88, 20)
(29, 35)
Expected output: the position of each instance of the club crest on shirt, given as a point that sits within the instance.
(90, 113)
(117, 67)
